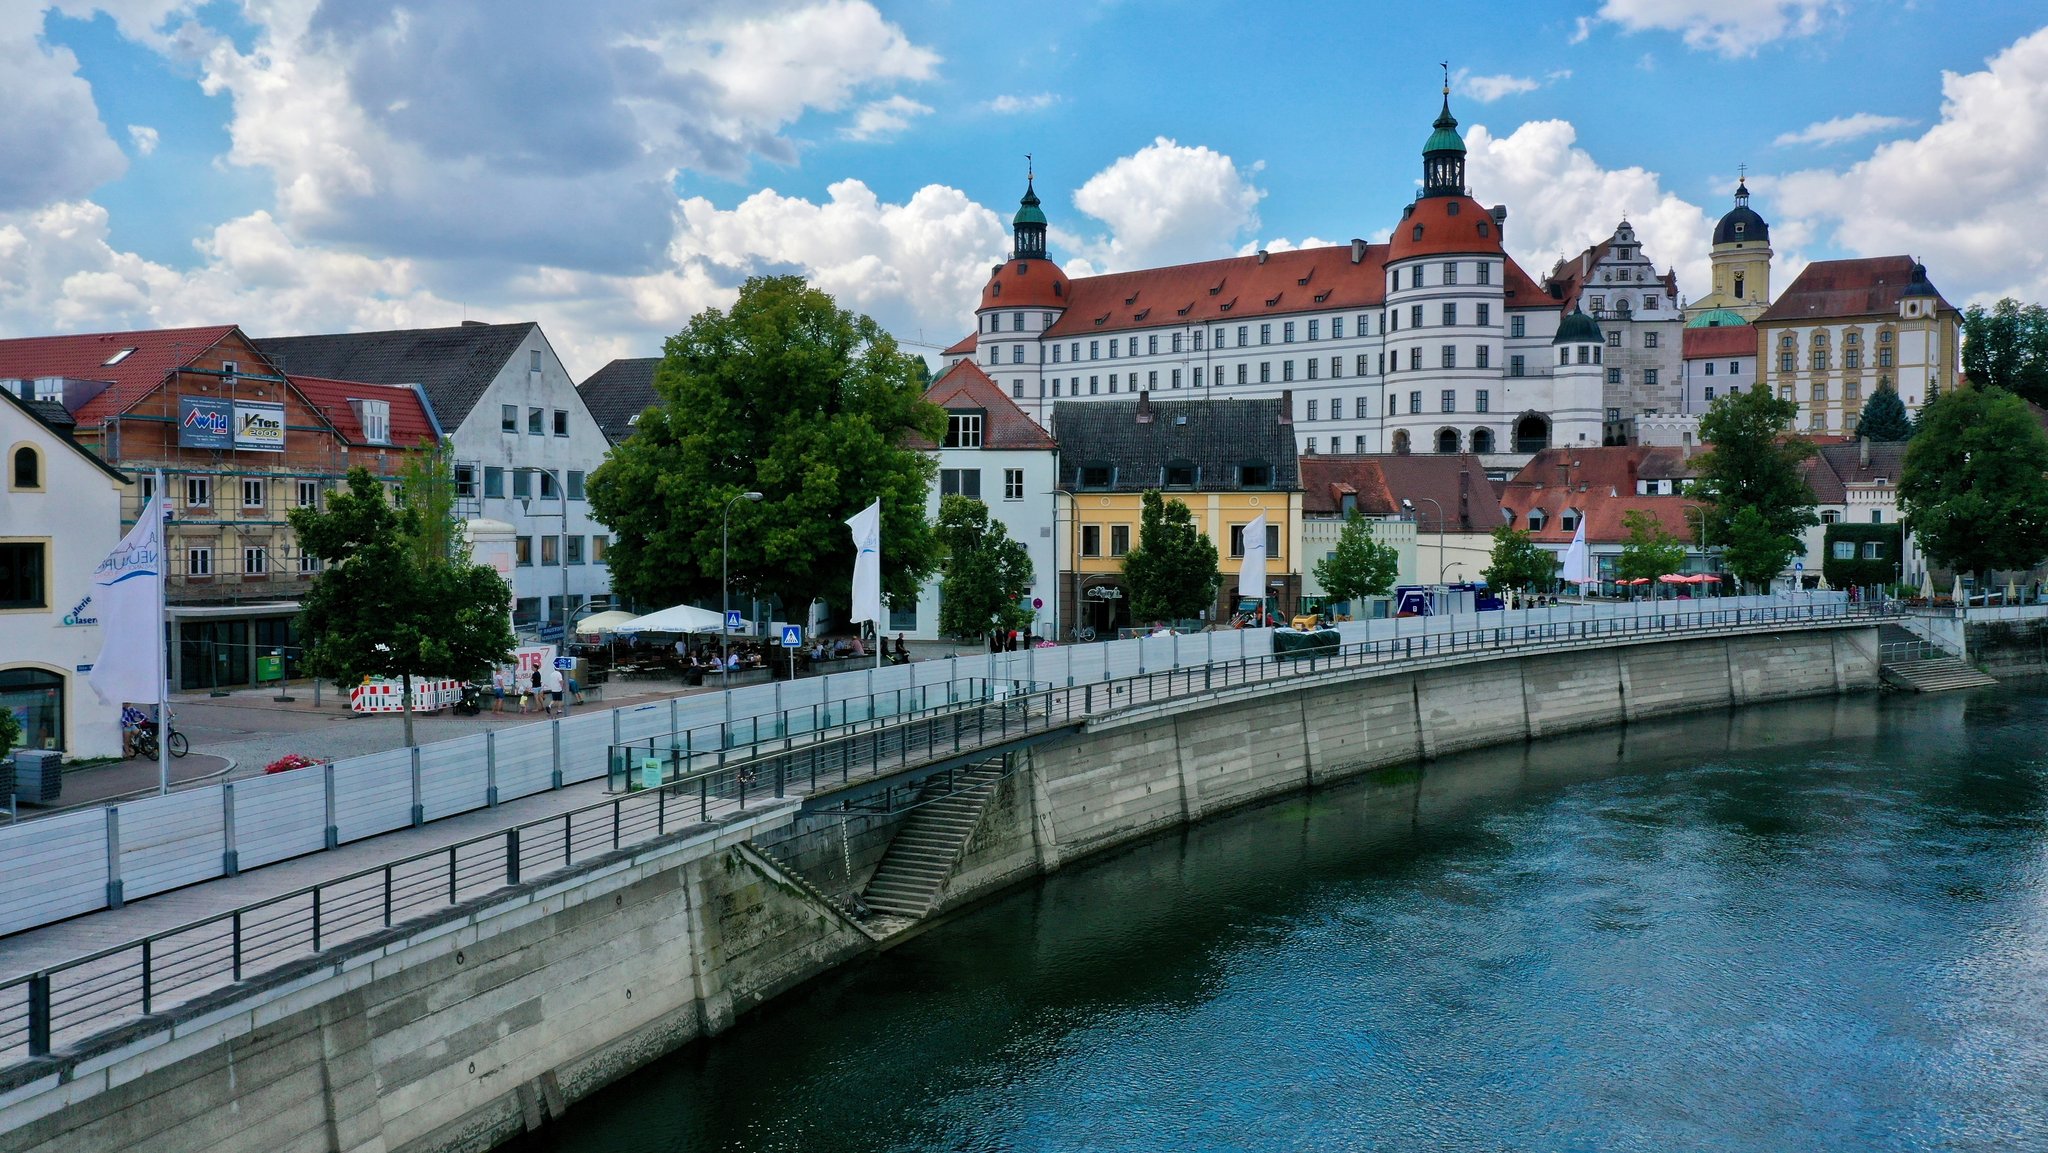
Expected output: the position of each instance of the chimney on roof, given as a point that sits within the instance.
(1262, 256)
(1286, 406)
(475, 323)
(1499, 212)
(1357, 251)
(1863, 451)
(1632, 465)
(1145, 406)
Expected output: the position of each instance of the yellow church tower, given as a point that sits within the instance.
(1742, 268)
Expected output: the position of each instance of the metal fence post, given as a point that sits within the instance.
(113, 857)
(333, 836)
(491, 765)
(512, 855)
(230, 861)
(555, 738)
(419, 807)
(39, 1015)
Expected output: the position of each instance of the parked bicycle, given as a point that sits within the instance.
(144, 741)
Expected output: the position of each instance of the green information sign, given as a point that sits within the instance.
(269, 668)
(650, 773)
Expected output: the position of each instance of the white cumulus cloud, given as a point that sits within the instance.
(1487, 89)
(1010, 105)
(1967, 195)
(1166, 203)
(885, 117)
(143, 137)
(51, 135)
(1729, 27)
(1842, 128)
(1560, 200)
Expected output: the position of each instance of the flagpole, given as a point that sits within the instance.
(163, 664)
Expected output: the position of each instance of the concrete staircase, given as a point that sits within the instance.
(1936, 675)
(921, 855)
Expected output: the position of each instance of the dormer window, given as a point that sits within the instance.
(1569, 522)
(1096, 476)
(374, 417)
(1254, 476)
(963, 430)
(1537, 520)
(1179, 474)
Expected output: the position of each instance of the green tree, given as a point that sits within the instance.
(1172, 574)
(1651, 550)
(2007, 347)
(1884, 418)
(10, 732)
(1754, 463)
(426, 485)
(376, 610)
(1975, 483)
(1756, 552)
(985, 574)
(1360, 566)
(788, 395)
(1518, 562)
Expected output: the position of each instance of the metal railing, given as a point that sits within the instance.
(1892, 652)
(68, 1002)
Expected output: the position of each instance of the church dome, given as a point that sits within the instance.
(1025, 283)
(1578, 328)
(1742, 225)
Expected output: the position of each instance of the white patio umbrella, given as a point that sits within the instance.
(1956, 594)
(676, 619)
(603, 622)
(1927, 586)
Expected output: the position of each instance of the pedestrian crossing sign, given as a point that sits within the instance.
(792, 636)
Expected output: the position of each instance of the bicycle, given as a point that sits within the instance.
(145, 741)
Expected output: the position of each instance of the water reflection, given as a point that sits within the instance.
(1816, 925)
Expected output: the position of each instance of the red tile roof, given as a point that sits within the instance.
(1720, 342)
(1844, 289)
(411, 422)
(1026, 284)
(1445, 224)
(1600, 482)
(157, 353)
(1003, 425)
(965, 346)
(1456, 482)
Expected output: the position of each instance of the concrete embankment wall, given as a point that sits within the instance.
(2016, 647)
(461, 1032)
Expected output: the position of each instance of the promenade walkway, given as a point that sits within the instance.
(63, 982)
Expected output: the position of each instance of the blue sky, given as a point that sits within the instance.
(612, 166)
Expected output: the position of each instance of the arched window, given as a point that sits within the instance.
(1401, 442)
(1532, 433)
(28, 468)
(1447, 440)
(1482, 440)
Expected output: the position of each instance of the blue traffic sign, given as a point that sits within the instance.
(734, 621)
(1799, 566)
(564, 664)
(792, 636)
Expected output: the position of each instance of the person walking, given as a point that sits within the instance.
(536, 687)
(555, 686)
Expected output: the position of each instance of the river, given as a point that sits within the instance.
(1819, 925)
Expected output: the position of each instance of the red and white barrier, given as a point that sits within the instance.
(381, 696)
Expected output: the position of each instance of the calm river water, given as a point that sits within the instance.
(1807, 926)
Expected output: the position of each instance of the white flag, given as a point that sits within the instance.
(127, 596)
(867, 564)
(1251, 575)
(1578, 563)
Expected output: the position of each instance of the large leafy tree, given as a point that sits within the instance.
(1172, 574)
(1755, 552)
(426, 485)
(1650, 550)
(788, 395)
(1975, 484)
(2007, 347)
(985, 574)
(1359, 566)
(1754, 464)
(1518, 562)
(1884, 418)
(383, 607)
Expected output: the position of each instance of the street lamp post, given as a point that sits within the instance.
(561, 558)
(725, 586)
(1410, 506)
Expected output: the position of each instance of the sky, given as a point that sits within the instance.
(612, 167)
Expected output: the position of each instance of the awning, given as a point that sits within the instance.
(605, 622)
(679, 619)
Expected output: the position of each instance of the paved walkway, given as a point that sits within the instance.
(87, 997)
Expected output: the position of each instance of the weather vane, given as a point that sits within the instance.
(1030, 173)
(1446, 66)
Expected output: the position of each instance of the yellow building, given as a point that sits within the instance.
(1228, 461)
(1846, 328)
(1742, 268)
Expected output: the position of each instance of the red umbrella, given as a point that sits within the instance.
(1710, 578)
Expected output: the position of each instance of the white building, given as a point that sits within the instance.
(994, 452)
(1846, 328)
(523, 438)
(60, 515)
(1637, 308)
(1434, 341)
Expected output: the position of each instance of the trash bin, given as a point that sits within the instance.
(39, 776)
